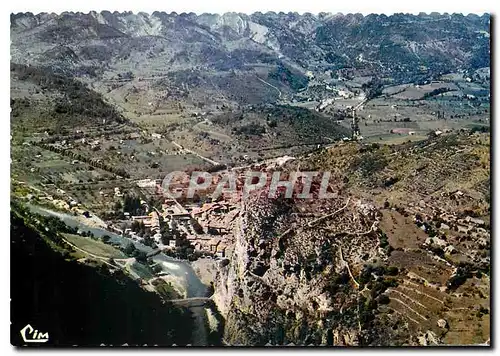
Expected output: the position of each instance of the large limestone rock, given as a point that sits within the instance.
(442, 323)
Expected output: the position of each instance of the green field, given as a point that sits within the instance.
(94, 247)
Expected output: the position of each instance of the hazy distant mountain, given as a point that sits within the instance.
(398, 46)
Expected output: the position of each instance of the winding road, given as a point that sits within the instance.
(215, 163)
(272, 86)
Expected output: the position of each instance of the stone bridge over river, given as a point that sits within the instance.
(191, 302)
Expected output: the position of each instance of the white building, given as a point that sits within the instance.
(157, 237)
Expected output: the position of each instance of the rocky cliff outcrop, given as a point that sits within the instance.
(287, 283)
(347, 271)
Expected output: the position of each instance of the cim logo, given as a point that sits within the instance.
(32, 335)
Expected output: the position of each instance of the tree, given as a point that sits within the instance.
(140, 256)
(118, 206)
(130, 249)
(392, 271)
(148, 241)
(383, 299)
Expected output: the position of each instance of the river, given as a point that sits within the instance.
(180, 269)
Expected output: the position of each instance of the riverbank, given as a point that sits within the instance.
(179, 272)
(78, 304)
(191, 280)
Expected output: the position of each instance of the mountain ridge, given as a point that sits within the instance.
(287, 35)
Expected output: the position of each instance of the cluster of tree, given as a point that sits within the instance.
(339, 283)
(184, 249)
(384, 243)
(482, 311)
(368, 306)
(168, 234)
(480, 128)
(367, 275)
(132, 204)
(77, 99)
(391, 181)
(164, 288)
(51, 226)
(18, 106)
(132, 251)
(252, 129)
(216, 168)
(436, 92)
(148, 241)
(88, 234)
(272, 123)
(428, 228)
(126, 75)
(64, 281)
(90, 161)
(369, 163)
(288, 77)
(139, 228)
(308, 125)
(463, 272)
(373, 88)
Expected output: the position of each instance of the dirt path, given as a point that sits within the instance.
(101, 258)
(312, 223)
(272, 86)
(344, 262)
(215, 163)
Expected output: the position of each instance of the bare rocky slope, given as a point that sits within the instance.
(221, 50)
